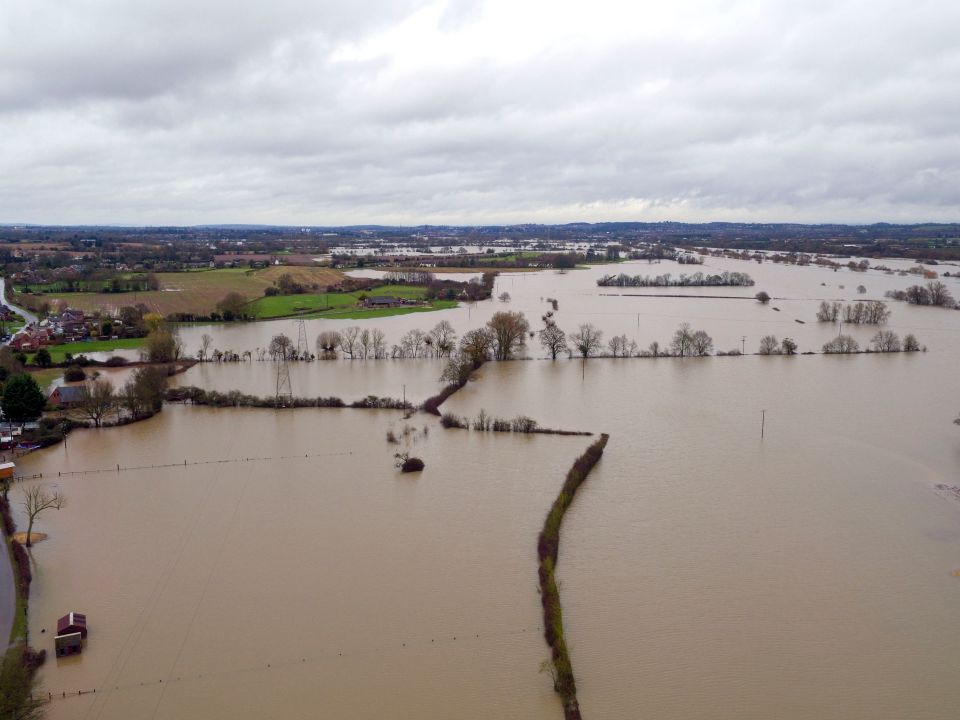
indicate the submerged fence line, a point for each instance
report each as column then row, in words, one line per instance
column 299, row 660
column 185, row 463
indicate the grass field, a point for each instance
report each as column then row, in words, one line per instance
column 196, row 292
column 58, row 352
column 358, row 313
column 338, row 304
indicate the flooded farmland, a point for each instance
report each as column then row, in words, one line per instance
column 706, row 572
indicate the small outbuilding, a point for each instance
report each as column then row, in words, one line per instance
column 71, row 644
column 72, row 623
column 8, row 468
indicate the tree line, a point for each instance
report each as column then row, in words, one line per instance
column 699, row 279
column 933, row 293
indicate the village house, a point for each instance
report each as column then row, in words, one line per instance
column 66, row 396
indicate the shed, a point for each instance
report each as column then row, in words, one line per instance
column 72, row 623
column 71, row 644
column 7, row 469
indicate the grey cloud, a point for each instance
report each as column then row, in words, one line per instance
column 822, row 111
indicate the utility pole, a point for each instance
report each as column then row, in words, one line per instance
column 404, row 395
column 743, row 345
column 763, row 422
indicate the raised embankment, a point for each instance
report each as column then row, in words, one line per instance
column 548, row 547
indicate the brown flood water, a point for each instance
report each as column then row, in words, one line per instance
column 239, row 585
column 709, row 574
column 705, row 573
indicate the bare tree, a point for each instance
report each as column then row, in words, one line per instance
column 788, row 346
column 349, row 341
column 763, row 297
column 842, row 344
column 701, row 343
column 327, row 343
column 619, row 345
column 444, row 338
column 413, row 343
column 910, row 343
column 38, row 498
column 587, row 340
column 886, row 341
column 281, row 346
column 366, row 344
column 682, row 338
column 654, row 349
column 939, row 293
column 769, row 345
column 205, row 342
column 509, row 333
column 828, row 312
column 553, row 339
column 504, row 297
column 96, row 400
column 378, row 344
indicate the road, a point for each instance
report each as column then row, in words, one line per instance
column 8, row 598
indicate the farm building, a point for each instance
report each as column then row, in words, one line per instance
column 70, row 644
column 383, row 301
column 66, row 396
column 72, row 623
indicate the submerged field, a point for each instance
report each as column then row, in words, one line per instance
column 705, row 572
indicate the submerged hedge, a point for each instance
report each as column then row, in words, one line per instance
column 548, row 546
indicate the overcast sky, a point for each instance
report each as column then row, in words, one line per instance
column 408, row 112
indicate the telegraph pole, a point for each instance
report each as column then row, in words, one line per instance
column 763, row 422
column 743, row 345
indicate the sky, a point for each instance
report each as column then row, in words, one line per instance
column 460, row 112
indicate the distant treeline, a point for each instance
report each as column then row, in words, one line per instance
column 698, row 279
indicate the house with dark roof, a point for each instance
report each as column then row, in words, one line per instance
column 66, row 396
column 383, row 301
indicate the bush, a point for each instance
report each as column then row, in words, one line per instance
column 449, row 420
column 116, row 361
column 74, row 373
column 413, row 464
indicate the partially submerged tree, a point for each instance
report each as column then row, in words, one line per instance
column 842, row 344
column 205, row 342
column 587, row 340
column 763, row 297
column 769, row 345
column 36, row 499
column 327, row 343
column 281, row 347
column 509, row 331
column 96, row 400
column 788, row 346
column 885, row 341
column 553, row 339
column 476, row 345
column 444, row 338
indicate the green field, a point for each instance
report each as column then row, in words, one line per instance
column 342, row 305
column 359, row 313
column 196, row 292
column 58, row 352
